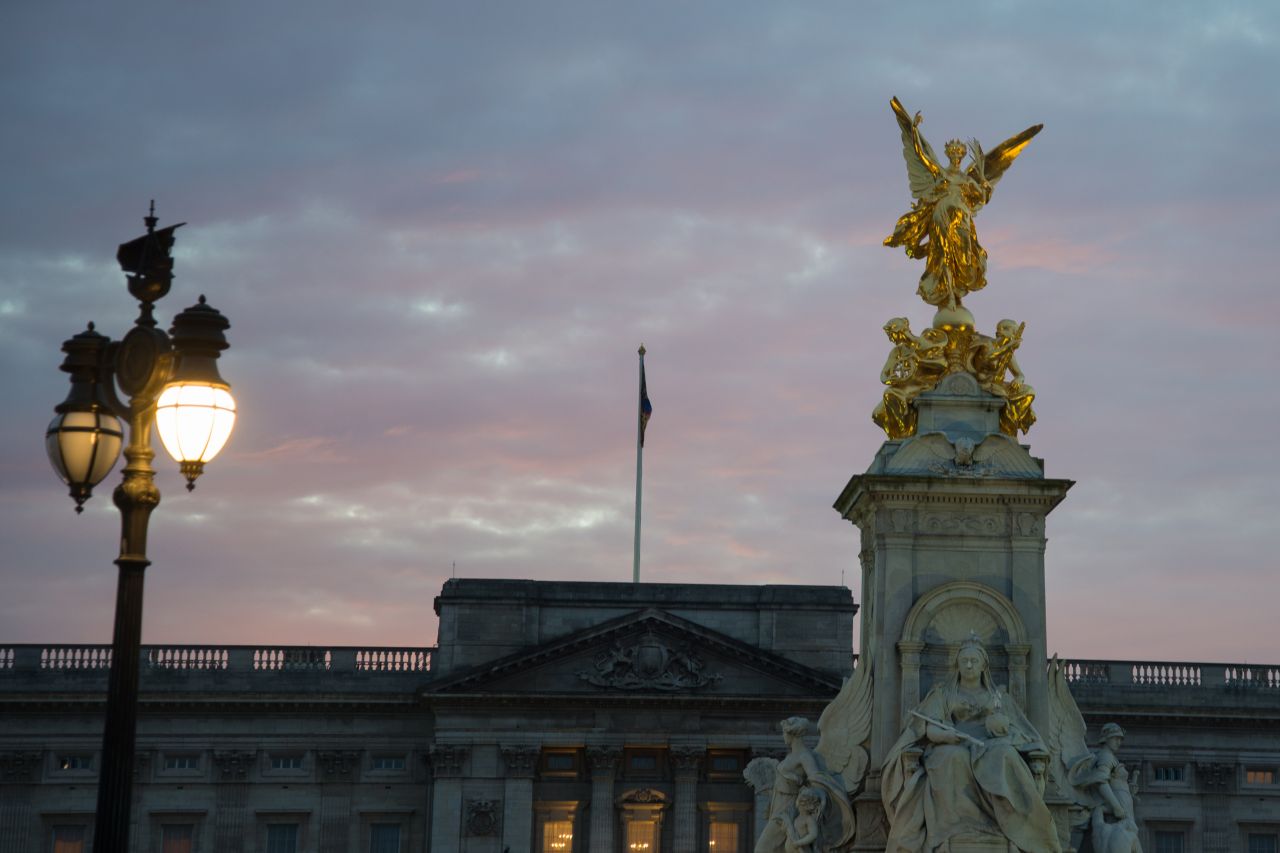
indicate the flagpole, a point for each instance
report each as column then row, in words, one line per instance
column 635, row 565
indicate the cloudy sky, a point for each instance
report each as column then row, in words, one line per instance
column 441, row 231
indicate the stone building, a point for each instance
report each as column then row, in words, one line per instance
column 552, row 717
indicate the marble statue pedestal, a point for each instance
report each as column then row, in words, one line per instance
column 952, row 524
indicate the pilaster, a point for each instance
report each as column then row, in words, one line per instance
column 687, row 761
column 337, row 768
column 603, row 761
column 232, row 768
column 446, row 803
column 517, row 809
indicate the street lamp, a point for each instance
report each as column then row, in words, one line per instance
column 170, row 380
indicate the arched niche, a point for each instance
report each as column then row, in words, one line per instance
column 942, row 619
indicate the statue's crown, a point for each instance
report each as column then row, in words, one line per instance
column 955, row 147
column 973, row 641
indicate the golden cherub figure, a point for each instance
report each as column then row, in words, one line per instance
column 939, row 227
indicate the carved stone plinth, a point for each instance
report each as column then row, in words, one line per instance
column 952, row 542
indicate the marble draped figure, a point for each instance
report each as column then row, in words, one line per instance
column 809, row 809
column 962, row 768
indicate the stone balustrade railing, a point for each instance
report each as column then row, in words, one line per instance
column 29, row 659
column 1172, row 674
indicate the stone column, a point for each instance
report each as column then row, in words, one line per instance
column 687, row 760
column 446, row 802
column 231, row 768
column 909, row 652
column 604, row 765
column 18, row 770
column 337, row 771
column 517, row 809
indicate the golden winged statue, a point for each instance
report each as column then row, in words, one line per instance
column 939, row 227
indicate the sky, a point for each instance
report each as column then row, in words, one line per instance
column 440, row 232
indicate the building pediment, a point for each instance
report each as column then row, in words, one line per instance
column 647, row 652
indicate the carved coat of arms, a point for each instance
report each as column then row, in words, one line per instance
column 648, row 664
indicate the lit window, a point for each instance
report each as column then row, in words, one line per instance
column 384, row 838
column 282, row 838
column 68, row 839
column 388, row 762
column 78, row 761
column 177, row 838
column 724, row 837
column 1168, row 842
column 642, row 836
column 181, row 762
column 286, row 762
column 557, row 836
column 1263, row 842
column 1260, row 775
column 1169, row 772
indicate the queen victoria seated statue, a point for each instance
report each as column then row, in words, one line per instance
column 967, row 772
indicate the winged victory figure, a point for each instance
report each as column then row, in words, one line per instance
column 939, row 227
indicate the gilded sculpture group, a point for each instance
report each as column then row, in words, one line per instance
column 939, row 228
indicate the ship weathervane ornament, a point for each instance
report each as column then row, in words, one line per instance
column 939, row 228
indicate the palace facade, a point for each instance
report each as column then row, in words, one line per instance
column 557, row 718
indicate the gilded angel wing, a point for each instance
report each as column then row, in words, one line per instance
column 845, row 725
column 1000, row 158
column 1066, row 735
column 922, row 163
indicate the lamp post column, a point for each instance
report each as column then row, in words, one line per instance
column 135, row 497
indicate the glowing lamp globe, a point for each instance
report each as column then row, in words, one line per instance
column 194, row 422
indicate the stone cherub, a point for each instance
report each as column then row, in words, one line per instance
column 804, row 830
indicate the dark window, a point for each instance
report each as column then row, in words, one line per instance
column 388, row 762
column 181, row 762
column 384, row 838
column 643, row 763
column 560, row 763
column 1168, row 841
column 282, row 838
column 177, row 838
column 1169, row 772
column 1262, row 842
column 75, row 761
column 286, row 762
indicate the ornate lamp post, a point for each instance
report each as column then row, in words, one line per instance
column 170, row 380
